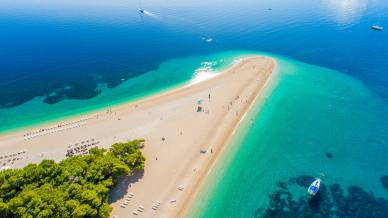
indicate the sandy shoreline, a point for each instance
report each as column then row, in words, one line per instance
column 174, row 132
column 199, row 183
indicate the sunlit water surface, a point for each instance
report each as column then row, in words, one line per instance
column 327, row 114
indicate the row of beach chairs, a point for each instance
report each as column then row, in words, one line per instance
column 56, row 128
column 81, row 147
column 9, row 159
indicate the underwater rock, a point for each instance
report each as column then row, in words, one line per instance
column 384, row 181
column 330, row 201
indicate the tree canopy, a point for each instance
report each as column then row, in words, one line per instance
column 75, row 187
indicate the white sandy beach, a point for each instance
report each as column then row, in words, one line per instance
column 174, row 131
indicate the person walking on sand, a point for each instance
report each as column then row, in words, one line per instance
column 209, row 96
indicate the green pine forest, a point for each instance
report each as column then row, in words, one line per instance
column 75, row 187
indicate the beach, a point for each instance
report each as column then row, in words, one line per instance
column 81, row 74
column 184, row 131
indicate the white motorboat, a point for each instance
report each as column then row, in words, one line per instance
column 314, row 187
column 377, row 27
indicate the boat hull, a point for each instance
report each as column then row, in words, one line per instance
column 314, row 187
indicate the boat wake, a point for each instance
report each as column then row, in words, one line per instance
column 170, row 18
column 149, row 13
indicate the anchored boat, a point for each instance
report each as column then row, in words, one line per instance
column 314, row 187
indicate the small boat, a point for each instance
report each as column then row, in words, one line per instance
column 377, row 27
column 314, row 187
column 209, row 40
column 141, row 10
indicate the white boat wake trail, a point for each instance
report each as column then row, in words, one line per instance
column 170, row 18
column 149, row 13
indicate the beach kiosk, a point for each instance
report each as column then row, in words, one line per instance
column 199, row 105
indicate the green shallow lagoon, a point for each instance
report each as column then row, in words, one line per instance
column 316, row 122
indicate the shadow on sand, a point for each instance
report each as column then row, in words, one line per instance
column 120, row 190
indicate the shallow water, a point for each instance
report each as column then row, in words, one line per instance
column 61, row 58
column 65, row 52
column 316, row 123
column 170, row 74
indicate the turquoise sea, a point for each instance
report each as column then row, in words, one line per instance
column 170, row 74
column 316, row 122
column 326, row 116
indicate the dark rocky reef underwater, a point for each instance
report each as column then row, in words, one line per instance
column 331, row 201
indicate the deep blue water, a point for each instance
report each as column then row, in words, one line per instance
column 60, row 50
column 63, row 49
